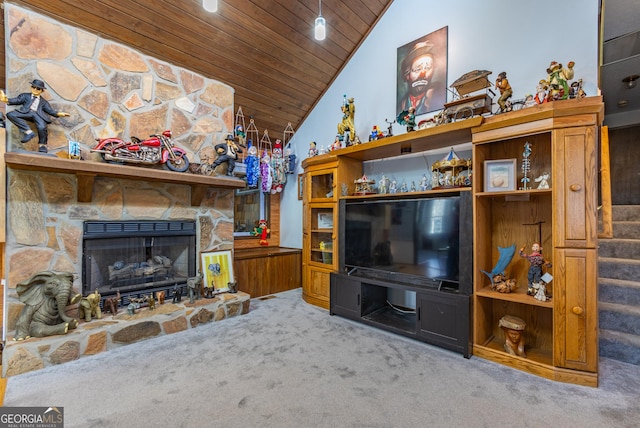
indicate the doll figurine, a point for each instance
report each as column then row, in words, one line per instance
column 278, row 175
column 262, row 231
column 536, row 261
column 253, row 166
column 33, row 108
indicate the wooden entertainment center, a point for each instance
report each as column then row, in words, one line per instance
column 560, row 334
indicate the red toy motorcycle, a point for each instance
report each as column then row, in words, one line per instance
column 155, row 149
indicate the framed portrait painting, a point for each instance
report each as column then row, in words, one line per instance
column 422, row 73
column 217, row 269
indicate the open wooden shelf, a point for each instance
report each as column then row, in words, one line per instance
column 87, row 171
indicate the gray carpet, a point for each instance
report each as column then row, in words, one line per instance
column 290, row 364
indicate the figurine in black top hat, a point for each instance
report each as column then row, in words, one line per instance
column 33, row 108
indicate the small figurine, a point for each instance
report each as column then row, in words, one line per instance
column 541, row 93
column 557, row 77
column 177, row 294
column 160, row 295
column 413, row 186
column 90, row 306
column 337, row 144
column 240, row 134
column 262, row 231
column 403, row 187
column 313, row 151
column 32, row 109
column 193, row 284
column 424, row 182
column 513, row 328
column 390, row 127
column 151, row 302
column 529, row 101
column 393, row 187
column 111, row 303
column 383, row 187
column 543, row 181
column 347, row 124
column 502, row 84
column 227, row 152
column 408, row 118
column 536, row 261
column 540, row 291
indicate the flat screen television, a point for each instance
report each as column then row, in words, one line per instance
column 408, row 240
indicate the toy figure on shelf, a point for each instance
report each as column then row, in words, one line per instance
column 376, row 134
column 240, row 134
column 502, row 84
column 536, row 261
column 253, row 166
column 513, row 328
column 90, row 307
column 557, row 78
column 408, row 118
column 383, row 187
column 313, row 150
column 279, row 178
column 33, row 108
column 347, row 125
column 262, row 231
column 393, row 187
column 543, row 181
column 227, row 152
column 424, row 183
column 390, row 126
column 541, row 93
column 337, row 143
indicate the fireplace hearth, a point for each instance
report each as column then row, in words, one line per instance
column 137, row 258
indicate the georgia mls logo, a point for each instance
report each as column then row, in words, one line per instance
column 32, row 417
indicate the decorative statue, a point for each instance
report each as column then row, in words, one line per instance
column 227, row 152
column 502, row 84
column 233, row 287
column 347, row 124
column 177, row 294
column 557, row 80
column 313, row 150
column 408, row 118
column 537, row 261
column 32, row 109
column 513, row 328
column 214, row 270
column 262, row 231
column 90, row 306
column 193, row 284
column 160, row 295
column 290, row 163
column 111, row 303
column 151, row 301
column 46, row 296
column 543, row 181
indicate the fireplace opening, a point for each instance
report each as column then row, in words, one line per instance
column 137, row 258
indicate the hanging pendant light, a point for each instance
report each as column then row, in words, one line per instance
column 210, row 5
column 320, row 30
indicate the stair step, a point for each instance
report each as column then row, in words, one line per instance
column 619, row 248
column 626, row 229
column 625, row 212
column 618, row 291
column 617, row 268
column 619, row 346
column 619, row 317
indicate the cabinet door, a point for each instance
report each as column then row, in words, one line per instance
column 443, row 319
column 322, row 235
column 316, row 287
column 575, row 309
column 321, row 185
column 345, row 297
column 575, row 189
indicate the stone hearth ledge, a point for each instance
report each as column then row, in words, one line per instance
column 111, row 331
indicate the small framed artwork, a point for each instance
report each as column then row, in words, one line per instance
column 300, row 186
column 325, row 220
column 500, row 175
column 217, row 270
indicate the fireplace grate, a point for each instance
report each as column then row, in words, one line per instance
column 99, row 229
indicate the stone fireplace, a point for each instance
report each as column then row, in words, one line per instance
column 56, row 223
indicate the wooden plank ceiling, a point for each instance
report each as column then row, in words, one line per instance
column 264, row 49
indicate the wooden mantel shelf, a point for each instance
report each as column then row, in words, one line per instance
column 87, row 171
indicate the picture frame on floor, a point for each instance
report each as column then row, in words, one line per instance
column 217, row 270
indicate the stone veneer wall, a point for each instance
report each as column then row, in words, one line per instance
column 109, row 90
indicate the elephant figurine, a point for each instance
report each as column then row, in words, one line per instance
column 46, row 295
column 90, row 306
column 194, row 284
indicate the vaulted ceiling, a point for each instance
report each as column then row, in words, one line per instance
column 264, row 49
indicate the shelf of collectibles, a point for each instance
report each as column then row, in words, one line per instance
column 535, row 187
